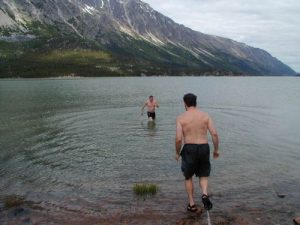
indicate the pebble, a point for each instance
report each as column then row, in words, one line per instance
column 18, row 211
column 279, row 195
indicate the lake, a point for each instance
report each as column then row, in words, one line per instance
column 72, row 149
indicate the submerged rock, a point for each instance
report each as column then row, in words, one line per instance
column 11, row 201
column 280, row 195
column 18, row 211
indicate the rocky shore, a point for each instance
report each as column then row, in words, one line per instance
column 17, row 210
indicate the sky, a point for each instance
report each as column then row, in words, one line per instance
column 272, row 25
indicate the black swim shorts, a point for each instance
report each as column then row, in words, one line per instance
column 151, row 114
column 195, row 160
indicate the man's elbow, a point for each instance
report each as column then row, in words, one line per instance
column 178, row 141
column 215, row 134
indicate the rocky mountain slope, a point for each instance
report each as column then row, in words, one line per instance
column 115, row 37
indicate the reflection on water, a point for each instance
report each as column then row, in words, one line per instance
column 151, row 125
column 151, row 128
column 76, row 147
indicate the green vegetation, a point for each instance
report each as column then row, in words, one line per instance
column 43, row 30
column 60, row 56
column 5, row 31
column 145, row 189
column 74, row 56
column 54, row 52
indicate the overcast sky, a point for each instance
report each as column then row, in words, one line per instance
column 272, row 25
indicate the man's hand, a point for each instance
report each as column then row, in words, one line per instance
column 177, row 157
column 216, row 154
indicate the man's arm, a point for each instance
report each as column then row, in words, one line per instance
column 214, row 135
column 156, row 104
column 142, row 110
column 178, row 138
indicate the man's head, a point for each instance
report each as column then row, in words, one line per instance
column 190, row 100
column 151, row 97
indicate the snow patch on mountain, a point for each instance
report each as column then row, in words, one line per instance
column 11, row 5
column 127, row 31
column 90, row 9
column 204, row 52
column 154, row 39
column 60, row 14
column 5, row 20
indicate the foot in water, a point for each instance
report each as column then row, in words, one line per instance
column 206, row 202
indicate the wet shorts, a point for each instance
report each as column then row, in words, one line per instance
column 151, row 114
column 195, row 160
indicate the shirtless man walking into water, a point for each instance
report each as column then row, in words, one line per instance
column 151, row 104
column 191, row 131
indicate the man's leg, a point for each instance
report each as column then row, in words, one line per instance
column 203, row 181
column 190, row 190
column 153, row 116
column 205, row 198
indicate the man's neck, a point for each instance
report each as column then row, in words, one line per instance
column 190, row 108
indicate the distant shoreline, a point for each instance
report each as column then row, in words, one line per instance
column 150, row 76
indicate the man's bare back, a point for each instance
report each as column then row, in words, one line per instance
column 194, row 125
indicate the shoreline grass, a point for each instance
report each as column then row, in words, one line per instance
column 143, row 189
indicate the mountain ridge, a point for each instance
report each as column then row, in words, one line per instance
column 139, row 40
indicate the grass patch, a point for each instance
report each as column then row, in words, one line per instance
column 75, row 56
column 145, row 189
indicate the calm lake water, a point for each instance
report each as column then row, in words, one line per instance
column 74, row 148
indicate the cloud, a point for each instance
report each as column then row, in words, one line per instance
column 272, row 25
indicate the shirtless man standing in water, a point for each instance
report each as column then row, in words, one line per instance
column 151, row 104
column 191, row 130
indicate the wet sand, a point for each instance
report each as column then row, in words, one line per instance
column 254, row 216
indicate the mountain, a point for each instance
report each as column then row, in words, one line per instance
column 115, row 37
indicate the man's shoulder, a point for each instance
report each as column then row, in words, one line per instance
column 202, row 112
column 181, row 116
column 204, row 115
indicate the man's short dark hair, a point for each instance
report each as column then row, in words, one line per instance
column 151, row 96
column 190, row 99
